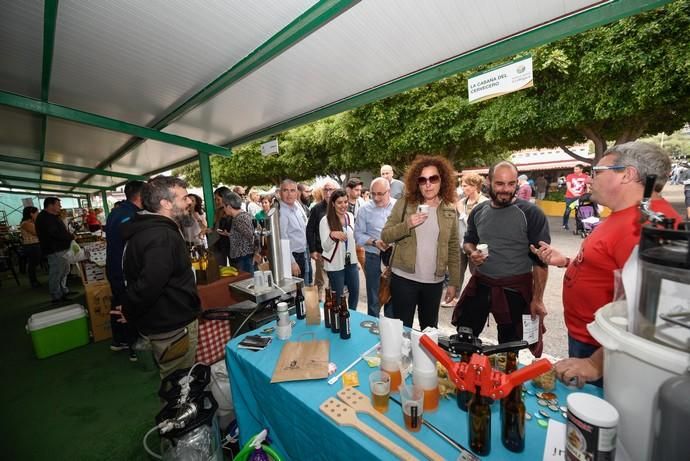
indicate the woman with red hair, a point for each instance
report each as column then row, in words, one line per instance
column 423, row 226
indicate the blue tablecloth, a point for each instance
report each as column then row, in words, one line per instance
column 299, row 431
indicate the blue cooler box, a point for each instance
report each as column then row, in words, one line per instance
column 58, row 330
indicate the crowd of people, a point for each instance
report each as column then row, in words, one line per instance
column 426, row 229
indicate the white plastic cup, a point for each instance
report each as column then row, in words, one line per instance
column 391, row 362
column 423, row 209
column 483, row 249
column 259, row 281
column 424, row 379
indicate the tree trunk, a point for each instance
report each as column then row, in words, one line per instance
column 557, row 142
column 599, row 141
column 631, row 133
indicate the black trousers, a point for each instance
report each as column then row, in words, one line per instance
column 475, row 312
column 123, row 333
column 407, row 295
column 33, row 258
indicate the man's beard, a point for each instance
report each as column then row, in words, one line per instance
column 501, row 202
column 178, row 214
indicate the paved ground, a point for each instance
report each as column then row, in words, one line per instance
column 555, row 340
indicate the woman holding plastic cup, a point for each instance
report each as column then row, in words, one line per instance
column 337, row 232
column 471, row 186
column 423, row 226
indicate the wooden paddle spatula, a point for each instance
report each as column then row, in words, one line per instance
column 342, row 414
column 362, row 404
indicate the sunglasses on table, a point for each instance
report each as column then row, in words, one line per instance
column 433, row 179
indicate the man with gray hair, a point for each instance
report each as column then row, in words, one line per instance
column 397, row 187
column 293, row 227
column 161, row 300
column 368, row 225
column 618, row 183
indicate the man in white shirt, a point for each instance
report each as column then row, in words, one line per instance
column 372, row 218
column 293, row 227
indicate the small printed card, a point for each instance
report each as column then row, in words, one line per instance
column 554, row 447
column 530, row 329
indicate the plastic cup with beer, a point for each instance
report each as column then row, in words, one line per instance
column 428, row 381
column 391, row 365
column 380, row 386
column 412, row 399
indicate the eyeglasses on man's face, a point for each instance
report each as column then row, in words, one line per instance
column 378, row 194
column 433, row 179
column 598, row 168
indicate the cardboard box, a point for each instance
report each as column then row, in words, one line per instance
column 91, row 272
column 98, row 299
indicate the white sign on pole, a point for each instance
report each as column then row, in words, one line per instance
column 269, row 148
column 499, row 81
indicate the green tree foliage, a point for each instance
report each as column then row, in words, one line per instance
column 611, row 84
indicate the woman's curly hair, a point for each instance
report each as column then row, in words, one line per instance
column 445, row 170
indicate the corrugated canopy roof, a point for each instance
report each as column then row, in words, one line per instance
column 95, row 93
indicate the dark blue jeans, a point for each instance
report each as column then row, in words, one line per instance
column 578, row 349
column 346, row 277
column 372, row 275
column 304, row 262
column 566, row 214
column 243, row 263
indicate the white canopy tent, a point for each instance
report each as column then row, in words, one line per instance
column 95, row 93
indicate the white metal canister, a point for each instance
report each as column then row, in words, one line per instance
column 591, row 431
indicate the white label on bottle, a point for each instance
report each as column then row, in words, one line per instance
column 530, row 329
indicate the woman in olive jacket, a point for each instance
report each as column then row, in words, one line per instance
column 424, row 227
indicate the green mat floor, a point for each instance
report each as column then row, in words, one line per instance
column 85, row 404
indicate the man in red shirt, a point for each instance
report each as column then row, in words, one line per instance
column 576, row 185
column 588, row 283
